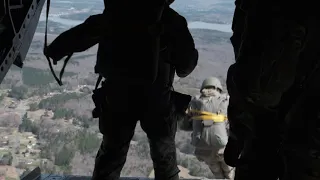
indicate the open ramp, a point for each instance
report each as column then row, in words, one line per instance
column 36, row 175
column 57, row 177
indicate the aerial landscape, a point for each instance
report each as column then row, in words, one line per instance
column 49, row 126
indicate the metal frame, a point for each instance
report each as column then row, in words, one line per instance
column 33, row 175
column 36, row 175
column 18, row 6
column 22, row 39
column 61, row 177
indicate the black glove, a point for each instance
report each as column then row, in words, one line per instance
column 180, row 102
column 76, row 39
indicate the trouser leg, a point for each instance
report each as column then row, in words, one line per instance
column 161, row 130
column 259, row 160
column 111, row 157
column 228, row 171
column 212, row 160
column 302, row 165
column 216, row 170
column 302, row 143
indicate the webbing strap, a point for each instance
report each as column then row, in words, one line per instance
column 204, row 115
column 98, row 82
column 45, row 51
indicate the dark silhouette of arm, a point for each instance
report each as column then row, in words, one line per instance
column 183, row 54
column 271, row 44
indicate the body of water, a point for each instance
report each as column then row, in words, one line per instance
column 210, row 26
column 191, row 25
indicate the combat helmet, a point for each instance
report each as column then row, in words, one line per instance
column 211, row 82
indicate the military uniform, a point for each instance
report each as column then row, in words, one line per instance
column 209, row 125
column 272, row 88
column 126, row 103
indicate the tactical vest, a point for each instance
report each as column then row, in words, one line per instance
column 130, row 52
column 209, row 123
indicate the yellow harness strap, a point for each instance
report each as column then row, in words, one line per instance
column 204, row 115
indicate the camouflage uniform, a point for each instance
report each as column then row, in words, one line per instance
column 126, row 103
column 273, row 122
column 210, row 135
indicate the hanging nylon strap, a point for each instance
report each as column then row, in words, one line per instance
column 45, row 51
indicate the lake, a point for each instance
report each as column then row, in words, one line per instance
column 191, row 25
